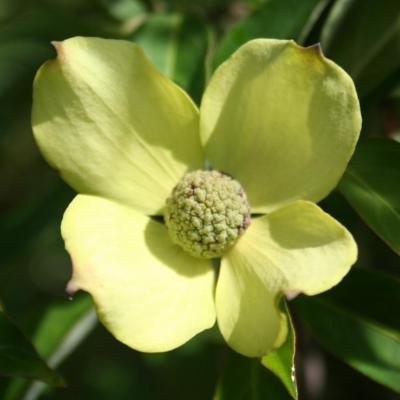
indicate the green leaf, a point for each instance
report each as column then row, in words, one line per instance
column 245, row 378
column 8, row 9
column 124, row 9
column 281, row 361
column 278, row 19
column 60, row 331
column 367, row 293
column 46, row 23
column 20, row 227
column 177, row 46
column 363, row 39
column 25, row 43
column 19, row 58
column 371, row 186
column 19, row 358
column 358, row 322
column 61, row 320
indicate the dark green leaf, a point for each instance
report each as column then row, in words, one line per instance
column 279, row 19
column 59, row 321
column 364, row 39
column 245, row 378
column 45, row 24
column 19, row 58
column 19, row 358
column 358, row 322
column 8, row 8
column 367, row 293
column 20, row 228
column 371, row 186
column 177, row 46
column 60, row 331
column 25, row 43
column 281, row 361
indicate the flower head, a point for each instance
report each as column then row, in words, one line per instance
column 278, row 124
column 206, row 213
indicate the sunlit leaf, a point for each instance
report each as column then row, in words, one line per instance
column 354, row 322
column 281, row 361
column 60, row 321
column 124, row 9
column 364, row 39
column 371, row 185
column 245, row 378
column 278, row 19
column 18, row 358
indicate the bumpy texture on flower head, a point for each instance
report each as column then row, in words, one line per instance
column 206, row 213
column 123, row 136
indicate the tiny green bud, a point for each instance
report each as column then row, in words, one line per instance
column 206, row 213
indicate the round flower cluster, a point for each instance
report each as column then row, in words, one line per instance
column 206, row 213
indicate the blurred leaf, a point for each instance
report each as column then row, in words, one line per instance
column 188, row 5
column 66, row 5
column 364, row 38
column 43, row 24
column 358, row 322
column 367, row 293
column 27, row 204
column 25, row 43
column 19, row 358
column 18, row 58
column 371, row 186
column 281, row 361
column 60, row 331
column 20, row 227
column 396, row 136
column 8, row 8
column 47, row 22
column 177, row 46
column 278, row 19
column 396, row 91
column 245, row 378
column 124, row 9
column 59, row 321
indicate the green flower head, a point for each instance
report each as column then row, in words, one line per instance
column 278, row 124
column 206, row 213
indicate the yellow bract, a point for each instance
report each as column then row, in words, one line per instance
column 311, row 250
column 112, row 124
column 282, row 119
column 149, row 293
column 297, row 248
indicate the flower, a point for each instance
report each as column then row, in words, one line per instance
column 281, row 119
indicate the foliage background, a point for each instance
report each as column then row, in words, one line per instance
column 348, row 340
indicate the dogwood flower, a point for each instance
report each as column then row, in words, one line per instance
column 278, row 124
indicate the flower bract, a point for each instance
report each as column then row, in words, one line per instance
column 278, row 119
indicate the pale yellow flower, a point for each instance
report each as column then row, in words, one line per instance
column 280, row 119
